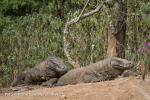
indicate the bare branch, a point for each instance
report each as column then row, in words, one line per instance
column 83, row 9
column 75, row 20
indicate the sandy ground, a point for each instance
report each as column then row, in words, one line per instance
column 119, row 89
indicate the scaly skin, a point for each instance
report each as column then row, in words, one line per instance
column 106, row 69
column 52, row 67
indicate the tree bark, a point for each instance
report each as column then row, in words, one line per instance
column 117, row 31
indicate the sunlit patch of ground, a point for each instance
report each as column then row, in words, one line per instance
column 119, row 89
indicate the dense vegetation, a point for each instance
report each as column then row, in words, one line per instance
column 31, row 30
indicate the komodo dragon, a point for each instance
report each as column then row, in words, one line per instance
column 49, row 70
column 106, row 69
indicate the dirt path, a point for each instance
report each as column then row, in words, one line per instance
column 119, row 89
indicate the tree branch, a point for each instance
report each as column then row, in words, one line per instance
column 83, row 9
column 75, row 20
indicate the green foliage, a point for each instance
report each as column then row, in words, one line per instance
column 28, row 41
column 19, row 7
column 146, row 8
column 111, row 3
column 145, row 14
column 87, row 40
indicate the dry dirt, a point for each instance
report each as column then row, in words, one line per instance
column 119, row 89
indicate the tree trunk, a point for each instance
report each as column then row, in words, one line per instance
column 117, row 32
